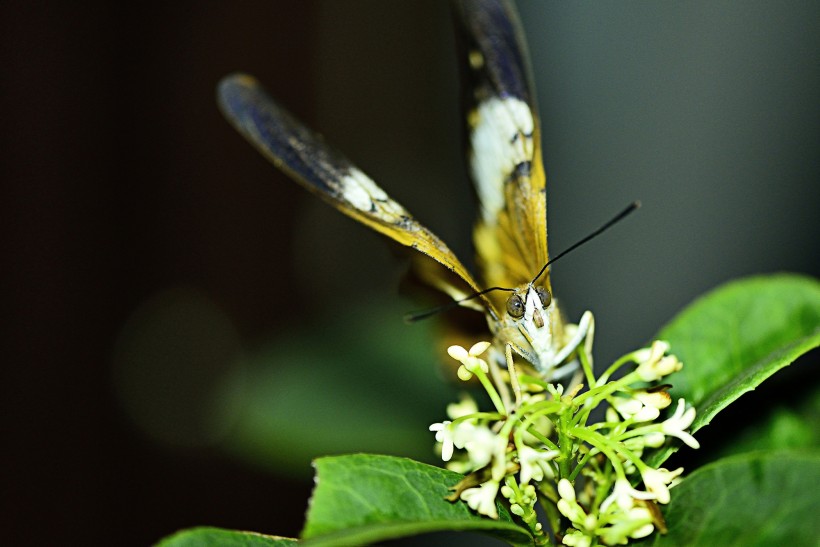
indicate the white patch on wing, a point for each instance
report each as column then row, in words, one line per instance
column 366, row 196
column 501, row 139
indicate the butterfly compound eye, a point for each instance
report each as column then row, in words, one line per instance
column 544, row 295
column 515, row 306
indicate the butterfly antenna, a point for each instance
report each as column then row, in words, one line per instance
column 418, row 316
column 617, row 218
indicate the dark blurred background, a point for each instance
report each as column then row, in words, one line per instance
column 155, row 263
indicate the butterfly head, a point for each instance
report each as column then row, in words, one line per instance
column 529, row 305
column 529, row 324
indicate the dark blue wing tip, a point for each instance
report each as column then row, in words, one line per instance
column 230, row 83
column 231, row 92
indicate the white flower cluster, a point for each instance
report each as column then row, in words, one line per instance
column 542, row 448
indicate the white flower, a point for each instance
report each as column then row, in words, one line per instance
column 652, row 354
column 480, row 443
column 656, row 371
column 646, row 414
column 634, row 523
column 642, row 405
column 535, row 463
column 482, row 498
column 460, row 466
column 591, row 522
column 568, row 506
column 634, row 408
column 566, row 490
column 469, row 359
column 679, row 421
column 457, row 352
column 459, row 435
column 653, row 439
column 571, row 510
column 464, row 407
column 612, row 415
column 528, row 494
column 656, row 399
column 636, row 445
column 624, row 496
column 653, row 365
column 556, row 390
column 444, row 435
column 463, row 432
column 576, row 538
column 644, row 530
column 626, row 407
column 656, row 481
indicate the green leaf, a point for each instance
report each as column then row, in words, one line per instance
column 791, row 425
column 217, row 537
column 764, row 498
column 363, row 498
column 735, row 337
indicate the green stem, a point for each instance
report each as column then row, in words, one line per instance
column 491, row 391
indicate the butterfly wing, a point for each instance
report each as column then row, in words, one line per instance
column 504, row 144
column 303, row 155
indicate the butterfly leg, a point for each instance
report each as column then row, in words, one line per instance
column 494, row 363
column 516, row 385
column 585, row 333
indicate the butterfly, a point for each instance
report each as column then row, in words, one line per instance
column 504, row 149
